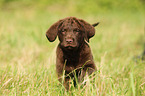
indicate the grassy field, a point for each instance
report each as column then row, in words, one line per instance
column 27, row 59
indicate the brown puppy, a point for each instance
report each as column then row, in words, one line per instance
column 74, row 57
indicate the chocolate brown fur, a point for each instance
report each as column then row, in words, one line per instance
column 73, row 53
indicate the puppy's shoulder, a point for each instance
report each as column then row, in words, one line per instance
column 59, row 51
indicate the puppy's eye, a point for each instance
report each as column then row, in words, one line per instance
column 63, row 31
column 76, row 30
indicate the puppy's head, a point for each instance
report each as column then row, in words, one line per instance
column 71, row 32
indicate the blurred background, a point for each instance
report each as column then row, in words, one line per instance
column 73, row 7
column 25, row 51
column 24, row 23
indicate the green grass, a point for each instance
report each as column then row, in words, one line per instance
column 27, row 59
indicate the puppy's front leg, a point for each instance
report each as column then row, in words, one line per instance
column 66, row 83
column 84, row 72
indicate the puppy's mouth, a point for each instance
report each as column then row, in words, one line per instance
column 70, row 46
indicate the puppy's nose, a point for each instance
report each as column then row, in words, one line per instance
column 69, row 40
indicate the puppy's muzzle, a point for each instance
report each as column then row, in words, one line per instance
column 69, row 40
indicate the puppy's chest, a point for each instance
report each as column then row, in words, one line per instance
column 73, row 65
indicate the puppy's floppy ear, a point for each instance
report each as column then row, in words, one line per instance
column 51, row 33
column 89, row 29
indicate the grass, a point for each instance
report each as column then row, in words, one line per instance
column 27, row 59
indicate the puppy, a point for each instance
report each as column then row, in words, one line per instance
column 73, row 55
